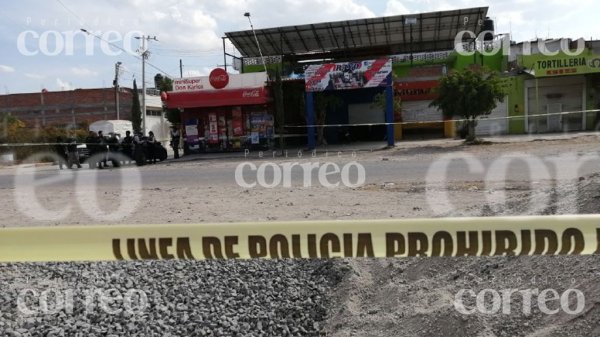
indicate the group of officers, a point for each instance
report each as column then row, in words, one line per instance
column 102, row 149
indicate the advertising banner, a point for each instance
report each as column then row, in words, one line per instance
column 217, row 98
column 562, row 64
column 347, row 75
column 213, row 131
column 221, row 79
column 222, row 122
column 237, row 123
column 191, row 131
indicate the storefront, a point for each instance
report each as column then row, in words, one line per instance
column 355, row 85
column 548, row 98
column 556, row 92
column 222, row 111
column 418, row 115
column 420, row 48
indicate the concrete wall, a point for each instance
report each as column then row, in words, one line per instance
column 62, row 108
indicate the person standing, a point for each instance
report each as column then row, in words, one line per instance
column 102, row 149
column 72, row 153
column 127, row 145
column 151, row 143
column 175, row 138
column 60, row 150
column 139, row 154
column 92, row 143
column 113, row 148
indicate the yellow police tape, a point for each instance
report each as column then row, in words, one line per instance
column 488, row 236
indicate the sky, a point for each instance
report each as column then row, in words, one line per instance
column 44, row 48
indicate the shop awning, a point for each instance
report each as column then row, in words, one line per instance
column 216, row 98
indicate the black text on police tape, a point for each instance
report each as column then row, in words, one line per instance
column 442, row 243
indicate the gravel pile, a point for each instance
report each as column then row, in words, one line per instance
column 174, row 298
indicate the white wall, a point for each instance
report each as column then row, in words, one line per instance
column 157, row 124
column 487, row 127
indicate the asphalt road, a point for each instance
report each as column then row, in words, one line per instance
column 412, row 169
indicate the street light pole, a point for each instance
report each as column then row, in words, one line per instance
column 116, row 84
column 247, row 14
column 145, row 54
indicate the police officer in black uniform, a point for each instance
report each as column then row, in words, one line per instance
column 175, row 138
column 61, row 151
column 127, row 145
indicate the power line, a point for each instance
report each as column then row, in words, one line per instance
column 81, row 20
column 167, row 52
column 119, row 47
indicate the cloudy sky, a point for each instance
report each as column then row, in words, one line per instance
column 43, row 47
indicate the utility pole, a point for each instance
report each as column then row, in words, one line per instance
column 116, row 84
column 145, row 55
column 180, row 68
column 247, row 14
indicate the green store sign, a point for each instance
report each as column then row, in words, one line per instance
column 562, row 64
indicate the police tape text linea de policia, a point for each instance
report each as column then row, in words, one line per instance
column 444, row 237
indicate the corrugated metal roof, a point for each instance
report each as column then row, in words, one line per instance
column 401, row 33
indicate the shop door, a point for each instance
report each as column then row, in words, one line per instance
column 555, row 95
column 420, row 121
column 366, row 113
column 420, row 111
column 554, row 119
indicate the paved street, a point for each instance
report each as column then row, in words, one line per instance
column 403, row 164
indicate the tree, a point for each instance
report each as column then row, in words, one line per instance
column 164, row 83
column 158, row 79
column 136, row 111
column 12, row 130
column 469, row 94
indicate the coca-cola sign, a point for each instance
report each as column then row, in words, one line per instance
column 218, row 78
column 251, row 93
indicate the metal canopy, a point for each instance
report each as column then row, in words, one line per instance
column 392, row 34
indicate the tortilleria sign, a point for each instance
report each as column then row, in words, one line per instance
column 563, row 64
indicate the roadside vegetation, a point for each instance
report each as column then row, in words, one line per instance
column 469, row 94
column 14, row 133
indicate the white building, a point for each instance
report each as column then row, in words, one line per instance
column 155, row 117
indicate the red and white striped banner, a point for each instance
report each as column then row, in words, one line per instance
column 347, row 75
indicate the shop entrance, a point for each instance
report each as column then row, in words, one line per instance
column 228, row 128
column 350, row 80
column 549, row 98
